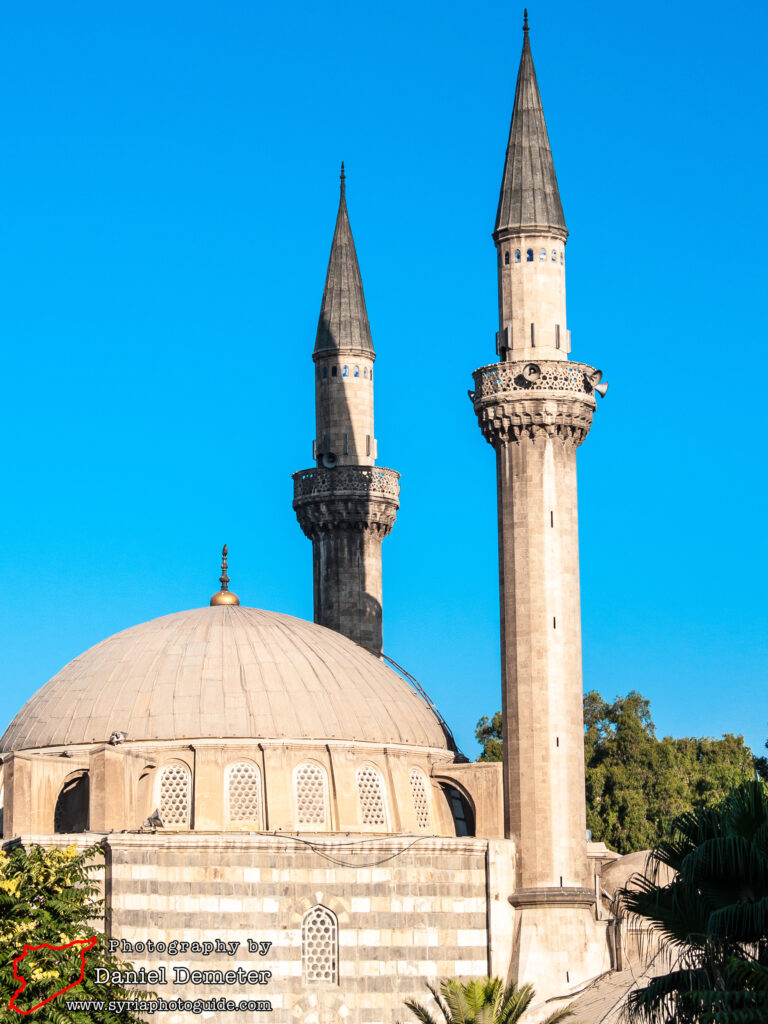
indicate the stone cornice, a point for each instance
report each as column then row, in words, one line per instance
column 339, row 353
column 529, row 231
column 568, row 896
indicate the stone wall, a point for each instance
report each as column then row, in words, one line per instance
column 408, row 910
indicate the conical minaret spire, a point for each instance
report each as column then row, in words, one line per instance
column 346, row 505
column 530, row 198
column 343, row 320
column 530, row 233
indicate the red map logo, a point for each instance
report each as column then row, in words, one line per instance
column 86, row 945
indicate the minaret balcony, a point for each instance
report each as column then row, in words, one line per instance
column 528, row 398
column 346, row 482
column 346, row 498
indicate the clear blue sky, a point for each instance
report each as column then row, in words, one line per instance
column 168, row 187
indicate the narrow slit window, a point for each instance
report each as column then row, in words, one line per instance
column 345, row 372
column 554, row 622
column 552, row 519
column 367, row 444
column 325, row 372
column 517, row 255
column 554, row 255
column 529, row 255
column 533, row 336
column 542, row 255
column 346, row 444
column 506, row 259
column 334, row 371
column 356, row 372
column 557, row 335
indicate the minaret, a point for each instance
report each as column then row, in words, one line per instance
column 346, row 506
column 535, row 407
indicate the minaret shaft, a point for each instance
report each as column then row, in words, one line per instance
column 541, row 660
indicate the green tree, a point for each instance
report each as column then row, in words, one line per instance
column 488, row 733
column 51, row 896
column 704, row 898
column 636, row 783
column 761, row 765
column 481, row 1001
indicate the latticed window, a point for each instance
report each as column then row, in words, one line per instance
column 311, row 788
column 420, row 797
column 320, row 947
column 370, row 790
column 174, row 791
column 242, row 792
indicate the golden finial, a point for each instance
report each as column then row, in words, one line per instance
column 225, row 595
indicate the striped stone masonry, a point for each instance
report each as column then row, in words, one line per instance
column 408, row 910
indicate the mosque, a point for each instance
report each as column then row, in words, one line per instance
column 273, row 794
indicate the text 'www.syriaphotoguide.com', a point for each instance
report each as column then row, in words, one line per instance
column 163, row 1005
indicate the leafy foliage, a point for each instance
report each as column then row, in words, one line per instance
column 481, row 1001
column 635, row 783
column 711, row 919
column 51, row 896
column 488, row 733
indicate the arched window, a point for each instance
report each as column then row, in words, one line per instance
column 242, row 793
column 562, row 257
column 174, row 792
column 325, row 372
column 365, row 371
column 517, row 255
column 554, row 255
column 334, row 371
column 356, row 372
column 529, row 255
column 461, row 810
column 420, row 797
column 310, row 784
column 542, row 255
column 370, row 792
column 71, row 813
column 345, row 372
column 506, row 258
column 320, row 947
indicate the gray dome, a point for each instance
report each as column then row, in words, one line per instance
column 225, row 672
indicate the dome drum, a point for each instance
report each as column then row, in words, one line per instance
column 226, row 787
